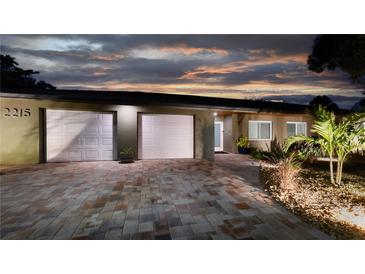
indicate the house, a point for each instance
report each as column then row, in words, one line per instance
column 71, row 125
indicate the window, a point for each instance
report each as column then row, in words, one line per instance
column 259, row 130
column 296, row 128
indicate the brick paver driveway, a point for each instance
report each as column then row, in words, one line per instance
column 156, row 199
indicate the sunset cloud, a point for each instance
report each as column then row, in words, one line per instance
column 234, row 66
column 186, row 50
column 245, row 65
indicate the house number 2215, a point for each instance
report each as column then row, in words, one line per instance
column 16, row 112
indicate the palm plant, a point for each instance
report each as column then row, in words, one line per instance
column 350, row 138
column 335, row 139
column 323, row 127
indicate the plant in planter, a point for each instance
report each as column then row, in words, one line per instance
column 243, row 145
column 126, row 155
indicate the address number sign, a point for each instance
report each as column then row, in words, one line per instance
column 17, row 112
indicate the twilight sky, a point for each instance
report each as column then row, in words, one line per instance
column 235, row 66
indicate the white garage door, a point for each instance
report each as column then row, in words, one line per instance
column 79, row 136
column 166, row 136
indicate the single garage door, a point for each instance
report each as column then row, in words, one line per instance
column 166, row 136
column 79, row 136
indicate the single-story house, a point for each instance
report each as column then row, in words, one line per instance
column 74, row 125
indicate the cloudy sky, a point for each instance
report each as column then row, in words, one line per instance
column 234, row 66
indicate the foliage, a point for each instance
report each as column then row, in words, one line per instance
column 14, row 77
column 290, row 159
column 305, row 151
column 359, row 106
column 324, row 128
column 259, row 154
column 286, row 164
column 286, row 172
column 350, row 138
column 242, row 142
column 346, row 52
column 278, row 152
column 319, row 202
column 126, row 151
column 324, row 101
column 334, row 138
column 337, row 207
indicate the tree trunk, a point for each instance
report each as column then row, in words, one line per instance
column 331, row 169
column 338, row 177
column 339, row 180
column 341, row 167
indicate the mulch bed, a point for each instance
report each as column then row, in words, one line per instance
column 336, row 210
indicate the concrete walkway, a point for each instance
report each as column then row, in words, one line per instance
column 155, row 199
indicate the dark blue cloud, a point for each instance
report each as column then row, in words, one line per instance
column 165, row 60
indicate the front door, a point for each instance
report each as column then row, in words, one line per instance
column 218, row 136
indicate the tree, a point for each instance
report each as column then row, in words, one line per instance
column 350, row 138
column 325, row 101
column 335, row 139
column 359, row 106
column 14, row 77
column 346, row 52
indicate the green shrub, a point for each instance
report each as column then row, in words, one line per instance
column 279, row 155
column 126, row 151
column 259, row 154
column 242, row 142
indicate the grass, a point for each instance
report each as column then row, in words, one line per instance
column 339, row 211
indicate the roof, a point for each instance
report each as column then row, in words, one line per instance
column 147, row 98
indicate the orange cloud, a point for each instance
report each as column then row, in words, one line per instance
column 99, row 71
column 246, row 65
column 107, row 57
column 253, row 89
column 186, row 50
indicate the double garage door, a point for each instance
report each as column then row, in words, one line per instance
column 90, row 136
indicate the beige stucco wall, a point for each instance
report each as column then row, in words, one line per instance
column 21, row 137
column 279, row 129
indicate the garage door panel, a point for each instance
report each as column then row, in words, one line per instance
column 55, row 115
column 106, row 154
column 91, row 129
column 107, row 119
column 91, row 155
column 161, row 136
column 74, row 128
column 106, row 129
column 107, row 141
column 79, row 136
column 74, row 155
column 60, row 156
column 91, row 141
column 76, row 143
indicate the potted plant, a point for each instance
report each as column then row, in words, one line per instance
column 126, row 155
column 243, row 145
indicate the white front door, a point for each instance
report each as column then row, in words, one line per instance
column 164, row 136
column 218, row 136
column 79, row 136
